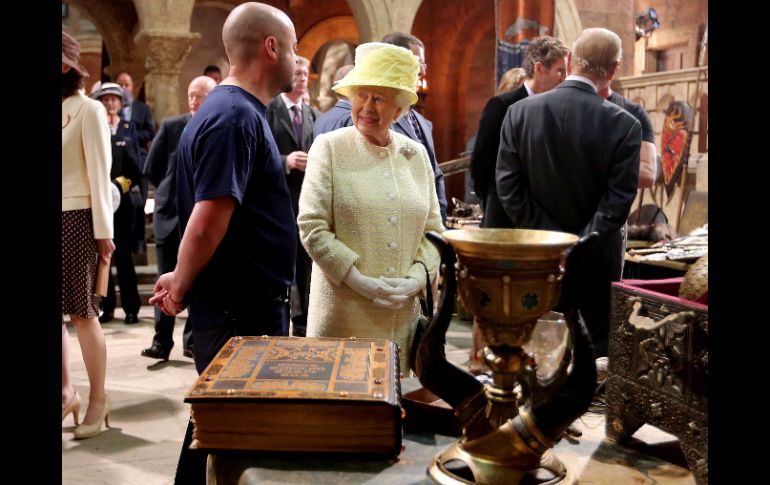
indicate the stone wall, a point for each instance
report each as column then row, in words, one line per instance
column 654, row 92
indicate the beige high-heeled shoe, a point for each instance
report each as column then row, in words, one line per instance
column 72, row 406
column 90, row 430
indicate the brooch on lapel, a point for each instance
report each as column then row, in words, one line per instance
column 125, row 125
column 408, row 151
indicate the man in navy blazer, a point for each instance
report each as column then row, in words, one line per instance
column 413, row 124
column 573, row 166
column 160, row 169
column 544, row 67
column 142, row 132
column 293, row 141
column 338, row 116
column 140, row 117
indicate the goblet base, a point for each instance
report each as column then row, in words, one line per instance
column 456, row 466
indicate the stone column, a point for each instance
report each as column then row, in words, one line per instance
column 165, row 53
column 375, row 18
column 91, row 57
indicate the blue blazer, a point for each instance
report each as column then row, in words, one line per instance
column 338, row 116
column 402, row 126
column 160, row 169
column 142, row 130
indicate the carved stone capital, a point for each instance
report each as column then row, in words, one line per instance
column 165, row 51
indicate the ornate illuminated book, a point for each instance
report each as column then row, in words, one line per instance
column 300, row 394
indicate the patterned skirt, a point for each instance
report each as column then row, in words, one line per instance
column 79, row 255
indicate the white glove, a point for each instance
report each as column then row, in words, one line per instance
column 115, row 197
column 370, row 288
column 401, row 290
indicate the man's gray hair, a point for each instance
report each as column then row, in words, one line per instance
column 595, row 52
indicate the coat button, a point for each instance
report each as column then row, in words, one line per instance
column 391, row 269
column 393, row 219
column 393, row 245
column 391, row 195
column 386, row 174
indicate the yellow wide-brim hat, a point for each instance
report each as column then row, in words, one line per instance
column 379, row 64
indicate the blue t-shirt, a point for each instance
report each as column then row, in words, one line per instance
column 227, row 149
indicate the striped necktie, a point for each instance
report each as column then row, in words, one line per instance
column 297, row 122
column 415, row 126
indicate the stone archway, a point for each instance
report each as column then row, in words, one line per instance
column 328, row 45
column 375, row 18
column 567, row 23
column 342, row 27
column 116, row 23
column 330, row 57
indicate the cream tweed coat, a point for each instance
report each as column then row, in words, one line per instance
column 367, row 206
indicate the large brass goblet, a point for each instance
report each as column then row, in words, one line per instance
column 509, row 278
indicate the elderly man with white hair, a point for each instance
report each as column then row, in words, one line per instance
column 569, row 161
column 160, row 169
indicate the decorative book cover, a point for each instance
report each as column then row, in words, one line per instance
column 300, row 394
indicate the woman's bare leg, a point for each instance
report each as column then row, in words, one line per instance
column 91, row 339
column 67, row 389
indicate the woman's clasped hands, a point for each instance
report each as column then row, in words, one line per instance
column 384, row 292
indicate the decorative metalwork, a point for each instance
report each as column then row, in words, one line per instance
column 658, row 371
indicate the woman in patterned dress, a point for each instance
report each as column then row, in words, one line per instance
column 86, row 235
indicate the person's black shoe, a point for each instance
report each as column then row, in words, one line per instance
column 106, row 317
column 156, row 352
column 187, row 352
column 131, row 318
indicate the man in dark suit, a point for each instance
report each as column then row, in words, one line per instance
column 291, row 122
column 160, row 169
column 545, row 68
column 338, row 116
column 124, row 174
column 142, row 132
column 413, row 124
column 140, row 117
column 573, row 166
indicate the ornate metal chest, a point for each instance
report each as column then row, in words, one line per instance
column 658, row 367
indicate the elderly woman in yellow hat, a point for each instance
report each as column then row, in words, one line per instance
column 367, row 200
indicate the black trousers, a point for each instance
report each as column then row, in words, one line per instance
column 300, row 292
column 212, row 326
column 124, row 263
column 166, row 250
column 594, row 292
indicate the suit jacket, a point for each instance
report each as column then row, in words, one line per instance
column 402, row 126
column 123, row 159
column 338, row 116
column 124, row 164
column 86, row 161
column 571, row 166
column 142, row 130
column 160, row 169
column 280, row 121
column 484, row 156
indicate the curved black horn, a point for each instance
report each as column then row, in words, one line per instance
column 436, row 373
